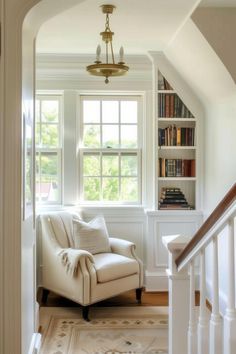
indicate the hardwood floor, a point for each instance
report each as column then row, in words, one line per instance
column 125, row 299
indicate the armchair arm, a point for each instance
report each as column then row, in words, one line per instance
column 122, row 247
column 71, row 258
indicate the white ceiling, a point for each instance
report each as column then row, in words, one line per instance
column 139, row 26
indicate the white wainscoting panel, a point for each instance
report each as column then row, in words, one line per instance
column 161, row 224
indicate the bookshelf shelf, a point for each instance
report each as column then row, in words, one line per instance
column 166, row 119
column 177, row 146
column 173, row 147
column 192, row 179
column 166, row 91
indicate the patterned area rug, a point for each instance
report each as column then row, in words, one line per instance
column 133, row 332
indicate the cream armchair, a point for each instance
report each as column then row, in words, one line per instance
column 97, row 277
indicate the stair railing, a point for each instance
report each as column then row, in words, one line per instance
column 193, row 330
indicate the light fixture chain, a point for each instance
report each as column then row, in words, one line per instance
column 107, row 25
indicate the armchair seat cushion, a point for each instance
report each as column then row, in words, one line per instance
column 111, row 266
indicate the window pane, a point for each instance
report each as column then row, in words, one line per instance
column 49, row 164
column 47, row 180
column 91, row 111
column 110, row 113
column 37, row 189
column 50, row 111
column 37, row 111
column 92, row 136
column 129, row 111
column 110, row 165
column 91, row 165
column 110, row 136
column 91, row 188
column 49, row 135
column 129, row 165
column 129, row 136
column 129, row 189
column 37, row 134
column 110, row 187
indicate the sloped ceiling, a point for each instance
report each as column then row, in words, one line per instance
column 199, row 64
column 139, row 26
column 220, row 33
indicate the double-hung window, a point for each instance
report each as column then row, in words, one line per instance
column 48, row 149
column 110, row 149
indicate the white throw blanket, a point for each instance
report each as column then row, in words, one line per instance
column 71, row 257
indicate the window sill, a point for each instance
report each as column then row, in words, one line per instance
column 88, row 209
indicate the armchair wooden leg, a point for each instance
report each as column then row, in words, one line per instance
column 85, row 312
column 45, row 296
column 139, row 295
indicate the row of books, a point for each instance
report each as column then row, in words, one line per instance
column 176, row 167
column 163, row 84
column 171, row 106
column 173, row 198
column 173, row 136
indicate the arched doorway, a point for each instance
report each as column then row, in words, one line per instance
column 20, row 21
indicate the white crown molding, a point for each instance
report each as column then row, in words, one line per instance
column 73, row 67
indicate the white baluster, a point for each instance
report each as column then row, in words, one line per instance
column 230, row 315
column 216, row 320
column 203, row 323
column 192, row 329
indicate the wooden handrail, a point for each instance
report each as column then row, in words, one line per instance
column 223, row 205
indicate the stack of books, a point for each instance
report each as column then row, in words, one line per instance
column 173, row 199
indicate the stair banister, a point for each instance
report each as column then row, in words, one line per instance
column 182, row 255
column 217, row 220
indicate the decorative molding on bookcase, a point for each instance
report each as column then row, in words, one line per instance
column 183, row 90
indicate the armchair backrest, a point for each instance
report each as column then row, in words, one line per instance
column 59, row 226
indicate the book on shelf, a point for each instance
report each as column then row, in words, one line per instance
column 175, row 207
column 163, row 84
column 171, row 106
column 176, row 167
column 173, row 199
column 173, row 136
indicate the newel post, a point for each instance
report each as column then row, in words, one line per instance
column 178, row 296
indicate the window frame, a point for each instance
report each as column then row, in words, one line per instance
column 81, row 150
column 45, row 96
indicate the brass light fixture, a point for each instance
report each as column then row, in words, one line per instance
column 108, row 69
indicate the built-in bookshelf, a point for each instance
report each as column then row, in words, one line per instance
column 176, row 150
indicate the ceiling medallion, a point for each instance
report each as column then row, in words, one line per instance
column 108, row 69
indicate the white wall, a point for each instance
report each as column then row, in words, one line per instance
column 220, row 151
column 220, row 175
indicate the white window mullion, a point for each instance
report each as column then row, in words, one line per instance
column 101, row 131
column 120, row 176
column 101, row 179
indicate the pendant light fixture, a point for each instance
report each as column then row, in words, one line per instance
column 108, row 69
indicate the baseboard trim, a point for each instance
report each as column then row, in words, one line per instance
column 156, row 282
column 35, row 344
